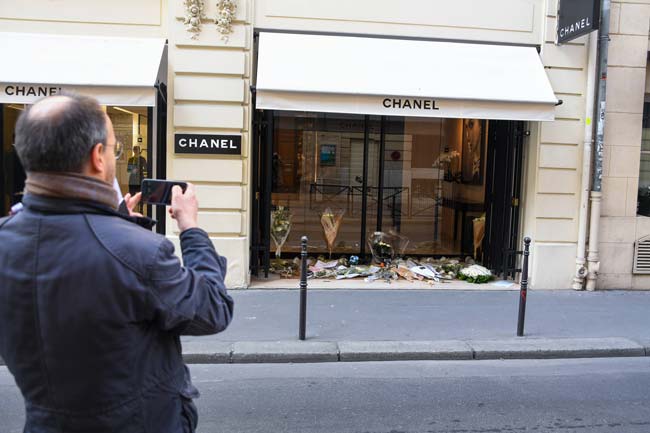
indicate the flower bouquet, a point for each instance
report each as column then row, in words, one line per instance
column 280, row 227
column 476, row 274
column 331, row 222
column 381, row 247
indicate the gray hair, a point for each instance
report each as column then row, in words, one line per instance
column 60, row 137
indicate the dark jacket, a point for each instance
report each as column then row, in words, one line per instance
column 91, row 309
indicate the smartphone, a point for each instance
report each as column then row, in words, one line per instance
column 159, row 192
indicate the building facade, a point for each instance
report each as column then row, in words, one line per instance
column 211, row 77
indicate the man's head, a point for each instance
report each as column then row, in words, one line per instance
column 136, row 150
column 68, row 133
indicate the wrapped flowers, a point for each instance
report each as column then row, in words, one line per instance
column 280, row 227
column 331, row 222
column 476, row 274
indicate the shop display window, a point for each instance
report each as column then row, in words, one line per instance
column 432, row 171
column 131, row 125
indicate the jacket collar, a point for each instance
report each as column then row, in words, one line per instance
column 53, row 205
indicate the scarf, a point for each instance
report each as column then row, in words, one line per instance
column 71, row 186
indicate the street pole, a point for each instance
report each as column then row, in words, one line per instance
column 523, row 291
column 593, row 257
column 303, row 288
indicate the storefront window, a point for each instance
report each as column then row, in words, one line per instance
column 433, row 181
column 644, row 170
column 131, row 128
column 130, row 125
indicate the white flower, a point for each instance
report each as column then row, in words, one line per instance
column 475, row 271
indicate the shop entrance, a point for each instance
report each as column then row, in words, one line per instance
column 439, row 187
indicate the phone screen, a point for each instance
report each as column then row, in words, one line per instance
column 159, row 192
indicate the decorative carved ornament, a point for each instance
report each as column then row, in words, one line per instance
column 193, row 16
column 226, row 10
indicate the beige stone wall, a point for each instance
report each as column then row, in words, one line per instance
column 144, row 18
column 208, row 93
column 619, row 225
column 513, row 21
column 554, row 162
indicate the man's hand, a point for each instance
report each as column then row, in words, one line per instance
column 132, row 202
column 185, row 207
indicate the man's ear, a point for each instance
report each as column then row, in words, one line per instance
column 97, row 161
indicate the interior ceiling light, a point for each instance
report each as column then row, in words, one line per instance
column 124, row 110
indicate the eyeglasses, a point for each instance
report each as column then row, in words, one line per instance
column 119, row 149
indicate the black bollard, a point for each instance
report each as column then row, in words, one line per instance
column 303, row 288
column 524, row 289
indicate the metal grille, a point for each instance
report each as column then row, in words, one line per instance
column 642, row 256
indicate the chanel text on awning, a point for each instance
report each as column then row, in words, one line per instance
column 21, row 90
column 419, row 104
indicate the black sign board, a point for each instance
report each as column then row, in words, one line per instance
column 207, row 144
column 577, row 18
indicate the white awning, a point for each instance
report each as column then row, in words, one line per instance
column 345, row 74
column 116, row 71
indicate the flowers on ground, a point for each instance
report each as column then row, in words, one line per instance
column 475, row 274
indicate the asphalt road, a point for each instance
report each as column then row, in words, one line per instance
column 591, row 395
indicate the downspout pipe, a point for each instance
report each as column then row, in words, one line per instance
column 593, row 258
column 585, row 185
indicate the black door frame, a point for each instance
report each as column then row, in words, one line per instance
column 161, row 148
column 364, row 185
column 503, row 197
column 261, row 204
column 3, row 174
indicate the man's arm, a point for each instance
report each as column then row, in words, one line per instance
column 191, row 300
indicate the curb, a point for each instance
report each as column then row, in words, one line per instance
column 293, row 351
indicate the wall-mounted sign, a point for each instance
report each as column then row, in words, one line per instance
column 576, row 18
column 207, row 144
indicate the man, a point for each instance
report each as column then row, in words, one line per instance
column 137, row 167
column 91, row 304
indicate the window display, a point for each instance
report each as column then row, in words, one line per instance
column 343, row 177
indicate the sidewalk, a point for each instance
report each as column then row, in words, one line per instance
column 381, row 325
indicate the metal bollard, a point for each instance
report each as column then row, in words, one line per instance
column 524, row 289
column 303, row 288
